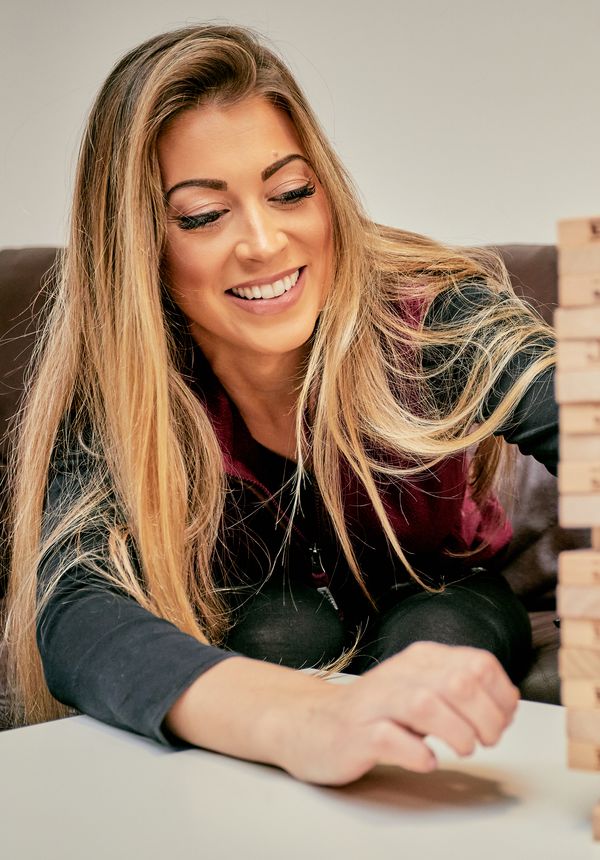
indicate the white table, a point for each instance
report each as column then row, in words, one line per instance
column 80, row 790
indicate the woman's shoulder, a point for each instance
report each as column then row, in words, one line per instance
column 75, row 451
column 458, row 302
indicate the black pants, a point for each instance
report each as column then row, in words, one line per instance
column 298, row 627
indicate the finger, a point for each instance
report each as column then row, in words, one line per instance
column 497, row 683
column 466, row 693
column 393, row 744
column 424, row 711
column 466, row 661
column 425, row 659
column 471, row 681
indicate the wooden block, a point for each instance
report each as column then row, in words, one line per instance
column 579, row 290
column 580, row 418
column 596, row 822
column 578, row 601
column 579, row 663
column 578, row 355
column 579, row 567
column 577, row 386
column 577, row 511
column 583, row 693
column 577, row 323
column 583, row 725
column 579, row 448
column 579, row 633
column 579, row 261
column 575, row 232
column 583, row 756
column 581, row 477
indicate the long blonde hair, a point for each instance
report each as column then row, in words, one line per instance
column 109, row 359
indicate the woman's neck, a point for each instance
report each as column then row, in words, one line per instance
column 265, row 390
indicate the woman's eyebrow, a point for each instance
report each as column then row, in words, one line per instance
column 277, row 165
column 221, row 185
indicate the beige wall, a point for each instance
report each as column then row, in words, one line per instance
column 473, row 121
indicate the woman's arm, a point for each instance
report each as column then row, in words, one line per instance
column 103, row 653
column 533, row 425
column 106, row 656
column 333, row 734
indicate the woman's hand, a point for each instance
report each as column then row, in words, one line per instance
column 332, row 734
column 459, row 695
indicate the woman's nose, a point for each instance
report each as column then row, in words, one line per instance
column 262, row 237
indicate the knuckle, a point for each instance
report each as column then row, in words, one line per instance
column 380, row 738
column 421, row 705
column 420, row 649
column 462, row 684
column 484, row 664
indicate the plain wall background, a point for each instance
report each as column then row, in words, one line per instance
column 472, row 121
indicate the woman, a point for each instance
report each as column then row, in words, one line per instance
column 255, row 446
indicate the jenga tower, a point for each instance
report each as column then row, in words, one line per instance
column 578, row 393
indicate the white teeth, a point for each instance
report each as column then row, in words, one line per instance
column 268, row 291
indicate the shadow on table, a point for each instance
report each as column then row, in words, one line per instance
column 442, row 789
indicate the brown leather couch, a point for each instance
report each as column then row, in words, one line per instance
column 530, row 565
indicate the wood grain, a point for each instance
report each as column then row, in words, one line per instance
column 577, row 323
column 579, row 567
column 579, row 633
column 579, row 663
column 580, row 693
column 580, row 418
column 583, row 756
column 578, row 232
column 583, row 725
column 579, row 511
column 584, row 260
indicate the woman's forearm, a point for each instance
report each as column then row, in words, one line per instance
column 333, row 734
column 243, row 707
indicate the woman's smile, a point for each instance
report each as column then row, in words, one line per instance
column 271, row 297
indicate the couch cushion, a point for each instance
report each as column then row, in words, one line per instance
column 22, row 271
column 533, row 271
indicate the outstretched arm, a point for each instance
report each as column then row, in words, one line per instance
column 333, row 734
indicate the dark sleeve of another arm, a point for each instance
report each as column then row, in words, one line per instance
column 533, row 425
column 105, row 655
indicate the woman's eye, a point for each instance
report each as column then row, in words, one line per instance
column 193, row 222
column 196, row 222
column 296, row 194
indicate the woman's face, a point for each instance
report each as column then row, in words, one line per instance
column 249, row 249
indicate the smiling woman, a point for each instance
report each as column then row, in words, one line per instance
column 255, row 442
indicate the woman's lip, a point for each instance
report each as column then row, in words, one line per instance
column 265, row 307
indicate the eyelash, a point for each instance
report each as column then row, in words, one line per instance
column 289, row 198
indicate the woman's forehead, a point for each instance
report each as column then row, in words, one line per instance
column 218, row 139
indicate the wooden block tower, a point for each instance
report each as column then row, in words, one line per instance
column 578, row 394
